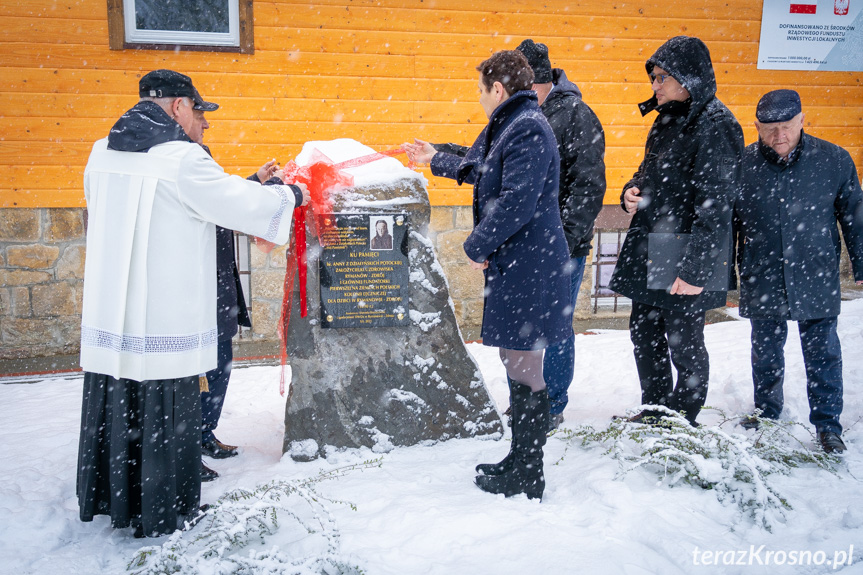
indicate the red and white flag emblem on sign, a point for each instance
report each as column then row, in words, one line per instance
column 840, row 7
column 804, row 8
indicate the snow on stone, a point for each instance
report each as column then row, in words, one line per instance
column 422, row 239
column 377, row 172
column 417, row 276
column 305, row 449
column 411, row 400
column 461, row 399
column 382, row 441
column 352, row 202
column 424, row 364
column 425, row 321
column 438, row 269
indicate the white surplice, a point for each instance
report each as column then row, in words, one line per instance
column 149, row 309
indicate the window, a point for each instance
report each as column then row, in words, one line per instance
column 243, row 258
column 215, row 25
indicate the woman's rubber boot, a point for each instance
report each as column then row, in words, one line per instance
column 506, row 463
column 529, row 436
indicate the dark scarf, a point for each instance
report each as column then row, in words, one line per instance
column 145, row 125
column 670, row 108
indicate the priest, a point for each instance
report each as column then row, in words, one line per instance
column 154, row 199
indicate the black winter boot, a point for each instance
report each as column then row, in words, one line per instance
column 506, row 463
column 529, row 428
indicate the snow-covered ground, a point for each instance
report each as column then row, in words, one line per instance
column 418, row 512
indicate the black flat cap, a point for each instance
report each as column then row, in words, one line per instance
column 170, row 84
column 537, row 57
column 778, row 106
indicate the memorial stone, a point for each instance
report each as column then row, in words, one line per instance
column 379, row 360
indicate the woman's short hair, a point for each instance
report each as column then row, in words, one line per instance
column 510, row 68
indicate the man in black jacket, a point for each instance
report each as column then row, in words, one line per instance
column 794, row 189
column 231, row 312
column 581, row 146
column 683, row 190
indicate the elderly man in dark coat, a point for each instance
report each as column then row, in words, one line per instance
column 794, row 189
column 518, row 241
column 683, row 190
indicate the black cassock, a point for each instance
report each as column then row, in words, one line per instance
column 139, row 454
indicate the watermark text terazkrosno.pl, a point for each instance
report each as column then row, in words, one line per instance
column 762, row 556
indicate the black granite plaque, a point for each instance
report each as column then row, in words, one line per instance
column 364, row 271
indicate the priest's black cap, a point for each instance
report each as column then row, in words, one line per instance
column 170, row 84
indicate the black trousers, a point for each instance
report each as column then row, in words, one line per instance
column 662, row 337
column 217, row 381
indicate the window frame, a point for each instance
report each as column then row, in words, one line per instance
column 118, row 41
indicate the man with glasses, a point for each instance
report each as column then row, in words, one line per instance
column 794, row 189
column 148, row 326
column 680, row 199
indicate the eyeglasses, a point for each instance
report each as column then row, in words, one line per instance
column 661, row 77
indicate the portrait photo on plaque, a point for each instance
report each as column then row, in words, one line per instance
column 365, row 274
column 380, row 235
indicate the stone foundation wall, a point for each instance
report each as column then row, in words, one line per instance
column 42, row 270
column 41, row 274
column 268, row 280
column 449, row 227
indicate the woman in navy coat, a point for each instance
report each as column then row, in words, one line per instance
column 518, row 242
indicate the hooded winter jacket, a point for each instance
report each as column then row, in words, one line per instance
column 785, row 225
column 581, row 145
column 688, row 180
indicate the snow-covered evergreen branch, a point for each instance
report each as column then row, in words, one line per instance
column 243, row 518
column 736, row 467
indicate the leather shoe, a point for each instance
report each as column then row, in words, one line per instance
column 218, row 450
column 831, row 442
column 554, row 421
column 185, row 522
column 749, row 422
column 645, row 417
column 207, row 474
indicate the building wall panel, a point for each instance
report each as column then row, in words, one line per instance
column 380, row 71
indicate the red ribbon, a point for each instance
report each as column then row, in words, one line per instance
column 321, row 176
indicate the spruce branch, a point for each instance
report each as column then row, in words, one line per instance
column 736, row 467
column 242, row 517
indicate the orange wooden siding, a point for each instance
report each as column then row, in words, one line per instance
column 381, row 72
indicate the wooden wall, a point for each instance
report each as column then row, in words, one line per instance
column 379, row 71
